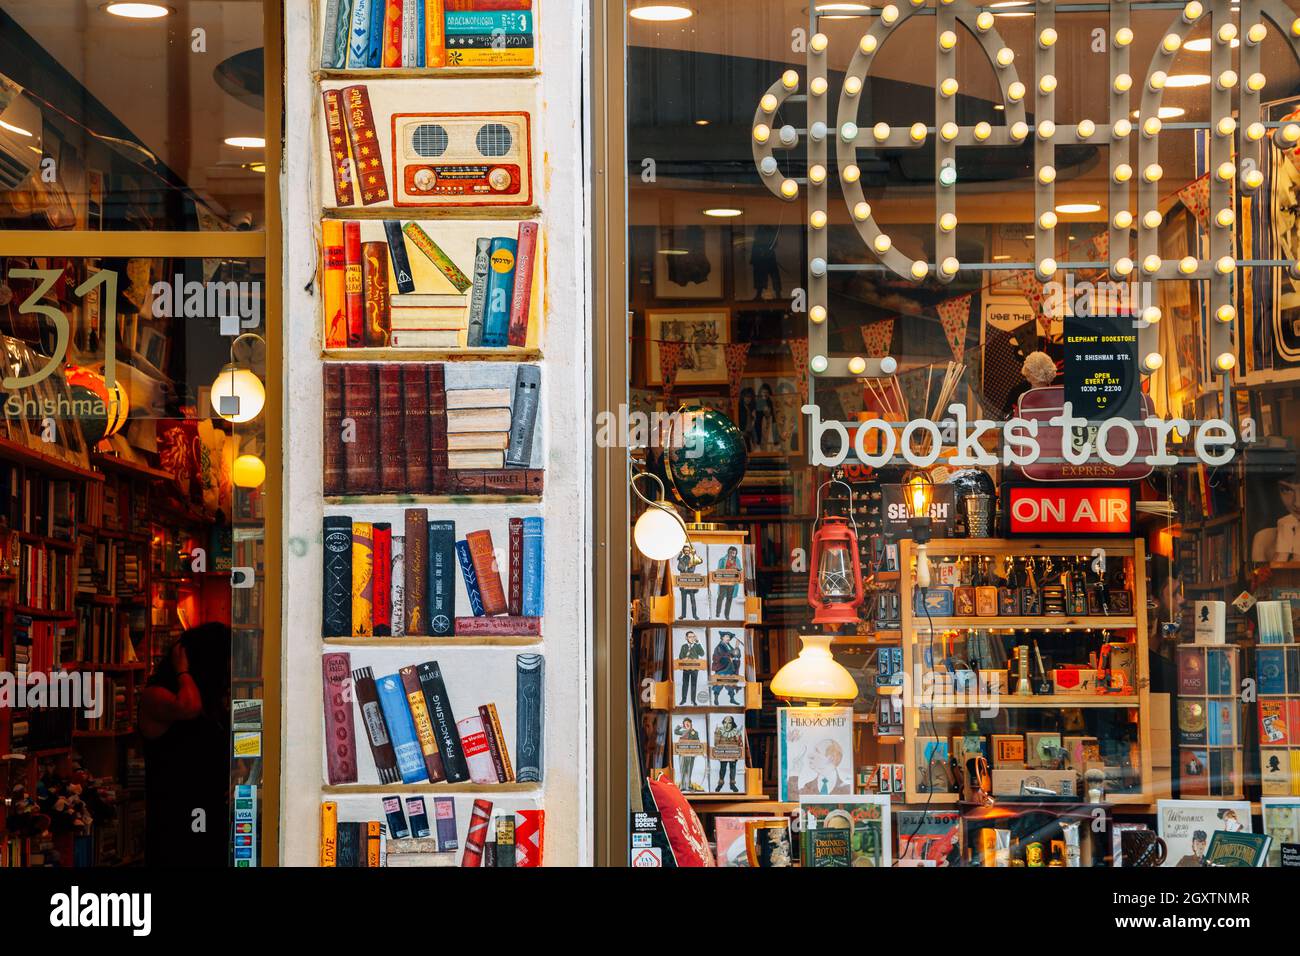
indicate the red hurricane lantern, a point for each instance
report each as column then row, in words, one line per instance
column 835, row 572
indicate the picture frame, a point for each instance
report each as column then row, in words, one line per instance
column 705, row 331
column 767, row 262
column 769, row 416
column 689, row 262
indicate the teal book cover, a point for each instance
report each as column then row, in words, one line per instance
column 1237, row 849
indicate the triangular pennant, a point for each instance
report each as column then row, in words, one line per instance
column 1196, row 197
column 876, row 338
column 954, row 316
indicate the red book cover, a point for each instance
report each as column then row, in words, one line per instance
column 393, row 33
column 361, row 456
column 485, row 569
column 460, row 5
column 498, row 626
column 494, row 748
column 515, row 592
column 415, row 445
column 364, row 139
column 339, row 148
column 392, row 430
column 437, row 392
column 353, row 286
column 522, row 300
column 374, row 293
column 334, row 464
column 494, row 481
column 381, row 608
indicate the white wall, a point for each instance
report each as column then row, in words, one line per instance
column 566, row 417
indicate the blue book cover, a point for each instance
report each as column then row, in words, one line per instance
column 359, row 35
column 471, row 579
column 1218, row 676
column 488, row 22
column 500, row 291
column 534, row 568
column 375, row 51
column 440, row 570
column 419, row 31
column 1271, row 670
column 401, row 729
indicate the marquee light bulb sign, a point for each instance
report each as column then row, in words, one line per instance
column 959, row 21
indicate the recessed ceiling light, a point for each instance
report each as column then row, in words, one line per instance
column 246, row 142
column 17, row 130
column 255, row 167
column 661, row 12
column 1166, row 112
column 1202, row 44
column 842, row 11
column 1078, row 208
column 1001, row 257
column 674, row 252
column 998, row 106
column 138, row 11
column 701, row 122
column 1028, row 238
column 1184, row 80
column 1006, row 8
column 724, row 212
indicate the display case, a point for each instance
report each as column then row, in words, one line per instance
column 1209, row 721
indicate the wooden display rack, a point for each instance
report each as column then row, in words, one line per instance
column 916, row 631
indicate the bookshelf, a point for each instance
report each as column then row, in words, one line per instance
column 1210, row 757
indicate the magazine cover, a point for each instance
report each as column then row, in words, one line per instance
column 1281, row 822
column 814, row 747
column 690, row 663
column 1186, row 825
column 865, row 817
column 934, row 835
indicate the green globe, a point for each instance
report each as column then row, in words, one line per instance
column 707, row 458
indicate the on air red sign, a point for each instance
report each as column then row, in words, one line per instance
column 1070, row 510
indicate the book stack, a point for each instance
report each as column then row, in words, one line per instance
column 425, row 34
column 372, row 298
column 389, row 430
column 378, row 584
column 405, row 837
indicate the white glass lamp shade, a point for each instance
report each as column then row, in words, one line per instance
column 659, row 534
column 815, row 675
column 241, row 384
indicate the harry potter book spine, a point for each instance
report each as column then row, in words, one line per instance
column 372, row 714
column 444, row 722
column 529, row 732
column 336, row 616
column 382, row 590
column 371, row 181
column 515, row 589
column 339, row 150
column 374, row 288
column 392, row 429
column 361, row 455
column 354, row 294
column 333, row 284
column 340, row 732
column 417, row 550
column 397, row 256
column 334, row 461
column 423, row 723
column 363, row 582
column 480, row 817
column 415, row 445
column 441, row 561
column 486, row 574
column 522, row 296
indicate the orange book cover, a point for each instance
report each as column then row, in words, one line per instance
column 333, row 284
column 435, row 39
column 392, row 34
column 372, row 843
column 485, row 569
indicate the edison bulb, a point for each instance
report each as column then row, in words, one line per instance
column 949, row 87
column 949, row 132
column 790, row 79
column 1226, row 362
column 849, row 132
column 1187, row 265
column 1151, row 314
column 1227, row 33
column 1123, row 266
column 1016, row 91
column 889, row 15
column 1158, row 80
column 789, row 188
column 983, row 131
column 1047, row 220
column 1255, row 131
column 853, row 85
column 1152, row 219
column 1226, row 127
column 1019, row 130
column 1086, row 128
column 862, row 211
column 1153, row 173
column 818, row 42
column 947, row 40
column 817, row 314
column 768, row 103
column 1225, row 265
column 851, row 173
column 1152, row 126
column 950, row 266
column 1226, row 80
column 984, row 22
column 882, row 243
column 1252, row 179
column 1171, row 43
column 818, row 86
column 1257, row 33
column 1122, row 128
column 767, row 166
column 867, row 44
column 920, row 269
column 948, row 222
column 1123, row 83
column 1151, row 263
column 818, row 266
column 1153, row 361
column 1123, row 36
column 1046, row 175
column 880, row 131
column 1047, row 267
column 817, row 174
column 1123, row 219
column 817, row 219
column 816, row 132
column 917, row 132
column 1047, row 37
column 1225, row 218
column 1005, row 57
column 1047, row 84
column 1046, row 129
column 1123, row 173
column 857, row 365
column 1225, row 313
column 1192, row 12
column 762, row 132
column 1226, row 171
column 1290, row 132
column 1255, row 82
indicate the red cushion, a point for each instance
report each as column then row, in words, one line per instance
column 685, row 833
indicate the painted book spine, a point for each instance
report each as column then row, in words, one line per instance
column 483, row 555
column 417, row 552
column 444, row 721
column 372, row 715
column 478, row 295
column 466, row 561
column 522, row 296
column 354, row 296
column 382, row 591
column 515, row 588
column 523, row 416
column 500, row 291
column 441, row 560
column 340, row 730
column 423, row 720
column 334, row 284
column 363, row 581
column 534, row 567
column 336, row 617
column 529, row 731
column 401, row 729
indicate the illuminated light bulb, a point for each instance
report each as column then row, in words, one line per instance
column 1047, row 267
column 768, row 103
column 889, row 15
column 1225, row 313
column 1016, row 91
column 817, row 314
column 1290, row 132
column 880, row 131
column 818, row 266
column 243, row 385
column 1252, row 179
column 1226, row 362
column 949, row 132
column 1152, row 126
column 819, row 42
column 1122, row 128
column 1046, row 38
column 1047, row 84
column 1225, row 218
column 1152, row 219
column 882, row 243
column 1151, row 314
column 1226, row 171
column 948, row 87
column 857, row 365
column 853, row 85
column 851, row 173
column 1227, row 33
column 917, row 132
column 248, row 471
column 762, row 132
column 1226, row 265
column 789, row 188
column 849, row 132
column 818, row 219
column 1005, row 57
column 867, row 44
column 1123, row 36
column 817, row 132
column 818, row 364
column 1192, row 12
column 1086, row 128
column 818, row 86
column 817, row 173
column 983, row 131
column 950, row 266
column 1151, row 263
column 1153, row 173
column 1255, row 82
column 1226, row 80
column 1153, row 361
column 1295, row 27
column 1226, row 127
column 947, row 40
column 1124, row 266
column 1019, row 130
column 948, row 222
column 1046, row 129
column 1123, row 219
column 1047, row 220
column 1123, row 83
column 1046, row 175
column 1171, row 43
column 790, row 79
column 920, row 269
column 767, row 166
column 1123, row 173
column 984, row 22
column 1158, row 80
column 862, row 211
column 1187, row 265
column 1257, row 33
column 1255, row 131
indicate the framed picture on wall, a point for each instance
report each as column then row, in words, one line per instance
column 689, row 262
column 769, row 415
column 704, row 332
column 767, row 262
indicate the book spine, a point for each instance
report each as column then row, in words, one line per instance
column 529, row 734
column 361, row 455
column 340, row 732
column 476, row 838
column 359, row 35
column 401, row 729
column 336, row 616
column 486, row 572
column 495, row 481
column 493, row 722
column 500, row 290
column 502, row 626
column 488, row 23
column 363, row 582
column 444, row 721
column 374, row 286
column 340, row 152
column 349, row 845
column 488, row 41
column 424, row 732
column 444, row 813
column 491, row 57
column 363, row 137
column 329, row 36
column 523, row 415
column 441, row 560
column 415, row 445
column 417, row 550
column 374, row 844
column 334, row 459
column 489, row 5
column 505, row 840
column 494, row 749
column 397, row 254
column 397, row 590
column 375, row 49
column 329, row 833
column 478, row 296
column 515, row 590
column 534, row 567
column 474, row 743
column 392, row 429
column 354, row 296
column 418, row 815
column 433, row 252
column 522, row 296
column 333, row 284
column 437, row 398
column 467, row 572
column 383, row 586
column 530, row 839
column 435, row 51
column 393, row 29
column 416, row 43
column 372, row 715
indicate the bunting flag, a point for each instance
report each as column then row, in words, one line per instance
column 1028, row 284
column 851, row 400
column 877, row 337
column 737, row 353
column 1101, row 247
column 670, row 359
column 954, row 315
column 799, row 350
column 1196, row 197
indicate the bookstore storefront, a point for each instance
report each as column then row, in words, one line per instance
column 962, row 389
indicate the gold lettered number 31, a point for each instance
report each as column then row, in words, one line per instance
column 45, row 279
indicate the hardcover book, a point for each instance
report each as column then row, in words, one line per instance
column 522, row 293
column 530, row 670
column 337, row 598
column 363, row 138
column 486, row 574
column 425, row 735
column 374, row 287
column 437, row 405
column 500, row 291
column 398, row 258
column 444, row 810
column 444, row 722
column 415, row 424
column 401, row 729
column 354, row 289
column 372, row 716
column 515, row 588
column 470, row 577
column 435, row 53
column 382, row 590
column 361, row 455
column 340, row 149
column 1237, row 849
column 392, row 426
column 340, row 733
column 334, row 460
column 474, row 743
column 479, row 293
column 497, row 738
column 441, row 559
column 417, row 550
column 397, row 591
column 862, row 823
column 534, row 576
column 333, row 284
column 523, row 416
column 363, row 582
column 476, row 838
